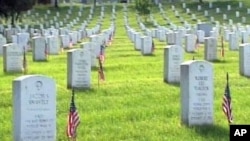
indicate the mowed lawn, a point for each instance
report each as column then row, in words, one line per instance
column 133, row 104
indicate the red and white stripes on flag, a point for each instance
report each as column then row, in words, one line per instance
column 73, row 119
column 226, row 105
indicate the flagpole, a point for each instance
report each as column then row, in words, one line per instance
column 227, row 77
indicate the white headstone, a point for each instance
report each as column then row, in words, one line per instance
column 79, row 68
column 12, row 58
column 210, row 5
column 40, row 49
column 224, row 16
column 237, row 14
column 147, row 45
column 138, row 43
column 53, row 45
column 210, row 51
column 217, row 10
column 240, row 4
column 228, row 7
column 200, row 36
column 3, row 41
column 233, row 42
column 34, row 108
column 92, row 52
column 173, row 57
column 197, row 93
column 198, row 7
column 244, row 59
column 190, row 42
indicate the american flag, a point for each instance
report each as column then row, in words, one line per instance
column 73, row 119
column 24, row 61
column 101, row 71
column 102, row 53
column 226, row 105
column 222, row 47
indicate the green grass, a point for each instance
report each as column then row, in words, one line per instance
column 133, row 104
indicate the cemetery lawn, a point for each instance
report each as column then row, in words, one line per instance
column 133, row 104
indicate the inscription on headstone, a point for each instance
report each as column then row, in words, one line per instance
column 34, row 108
column 197, row 93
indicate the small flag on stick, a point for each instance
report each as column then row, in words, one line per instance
column 24, row 61
column 222, row 47
column 70, row 43
column 73, row 119
column 101, row 71
column 226, row 105
column 197, row 43
column 153, row 46
column 102, row 52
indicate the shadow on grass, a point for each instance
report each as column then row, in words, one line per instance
column 149, row 55
column 172, row 84
column 129, row 55
column 212, row 131
column 219, row 61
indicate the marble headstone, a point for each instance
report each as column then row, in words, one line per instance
column 197, row 93
column 34, row 108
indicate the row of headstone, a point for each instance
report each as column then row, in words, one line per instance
column 80, row 61
column 141, row 42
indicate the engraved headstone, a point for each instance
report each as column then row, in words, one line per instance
column 190, row 42
column 40, row 49
column 244, row 59
column 147, row 47
column 233, row 41
column 79, row 68
column 173, row 57
column 210, row 51
column 3, row 41
column 197, row 93
column 34, row 108
column 89, row 45
column 53, row 45
column 12, row 58
column 201, row 36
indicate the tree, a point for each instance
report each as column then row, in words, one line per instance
column 13, row 8
column 143, row 7
column 201, row 1
column 94, row 3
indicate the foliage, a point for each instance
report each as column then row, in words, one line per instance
column 143, row 7
column 13, row 8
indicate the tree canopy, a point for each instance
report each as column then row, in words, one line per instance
column 13, row 8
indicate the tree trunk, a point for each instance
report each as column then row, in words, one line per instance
column 13, row 18
column 94, row 3
column 56, row 3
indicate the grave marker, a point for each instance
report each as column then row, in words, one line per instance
column 197, row 88
column 210, row 51
column 79, row 68
column 12, row 58
column 173, row 57
column 34, row 109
